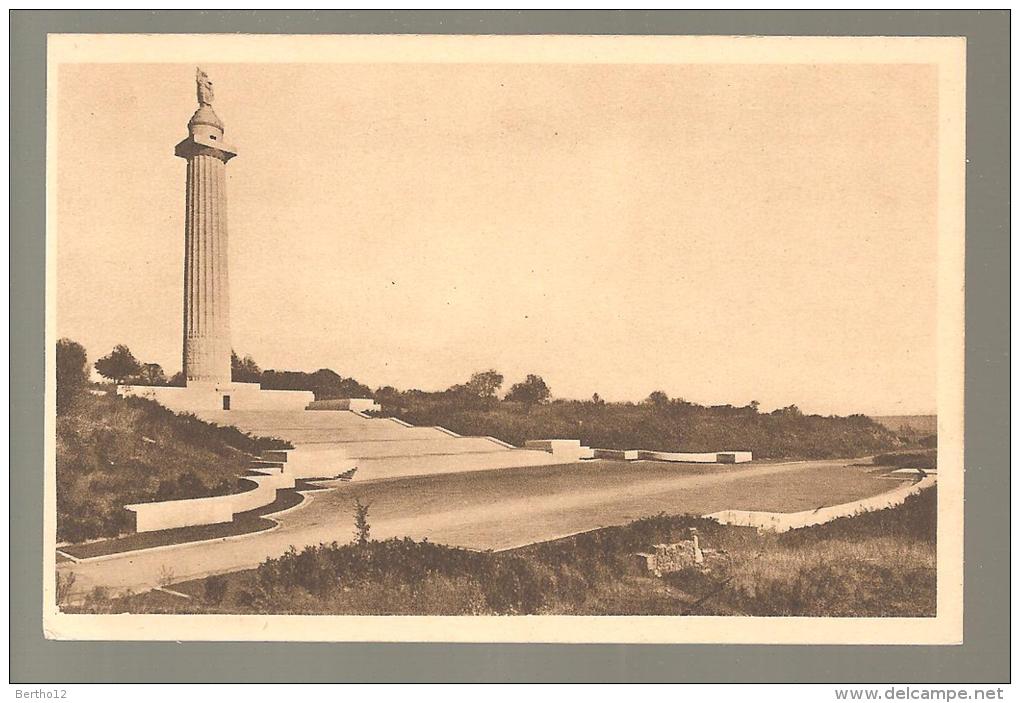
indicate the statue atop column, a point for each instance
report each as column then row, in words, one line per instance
column 205, row 115
column 204, row 86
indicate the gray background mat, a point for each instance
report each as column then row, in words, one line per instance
column 984, row 656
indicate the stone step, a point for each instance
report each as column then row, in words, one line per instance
column 251, row 420
column 265, row 464
column 318, row 435
column 444, row 445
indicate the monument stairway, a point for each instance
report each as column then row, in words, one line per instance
column 328, row 443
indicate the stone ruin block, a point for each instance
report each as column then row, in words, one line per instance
column 668, row 558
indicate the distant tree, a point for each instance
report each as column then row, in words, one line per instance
column 531, row 391
column 387, row 395
column 485, row 384
column 72, row 372
column 151, row 375
column 178, row 379
column 244, row 370
column 597, row 399
column 754, row 405
column 324, row 383
column 338, row 386
column 657, row 398
column 118, row 364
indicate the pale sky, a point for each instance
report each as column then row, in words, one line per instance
column 722, row 233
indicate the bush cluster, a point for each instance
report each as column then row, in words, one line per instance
column 525, row 581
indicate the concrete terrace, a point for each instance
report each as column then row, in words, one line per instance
column 380, row 448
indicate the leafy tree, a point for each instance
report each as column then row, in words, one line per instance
column 485, row 384
column 244, row 370
column 531, row 391
column 72, row 372
column 152, row 375
column 118, row 364
column 178, row 379
column 597, row 399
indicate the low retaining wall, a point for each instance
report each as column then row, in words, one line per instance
column 182, row 513
column 733, row 457
column 781, row 522
column 689, row 457
column 728, row 457
column 618, row 454
column 168, row 514
column 566, row 448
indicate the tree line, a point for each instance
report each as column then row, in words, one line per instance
column 121, row 366
column 527, row 410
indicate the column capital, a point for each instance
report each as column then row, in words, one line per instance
column 201, row 144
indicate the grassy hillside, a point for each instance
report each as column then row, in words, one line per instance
column 114, row 451
column 876, row 564
column 671, row 426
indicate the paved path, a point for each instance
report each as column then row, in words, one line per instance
column 495, row 510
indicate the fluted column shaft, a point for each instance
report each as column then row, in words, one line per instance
column 206, row 283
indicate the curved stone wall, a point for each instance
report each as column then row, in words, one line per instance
column 168, row 514
column 781, row 522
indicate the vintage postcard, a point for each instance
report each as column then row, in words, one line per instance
column 505, row 338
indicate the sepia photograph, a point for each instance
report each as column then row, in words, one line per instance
column 508, row 339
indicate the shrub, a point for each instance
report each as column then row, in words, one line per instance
column 362, row 529
column 65, row 584
column 215, row 589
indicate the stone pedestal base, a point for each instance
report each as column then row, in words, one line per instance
column 199, row 397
